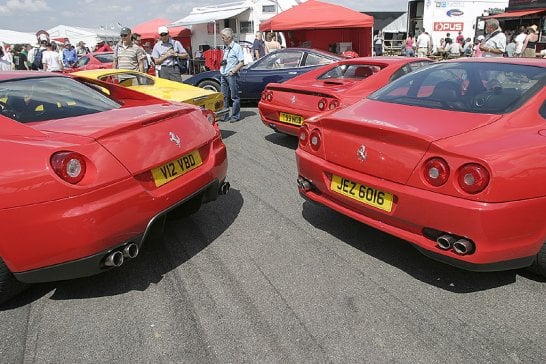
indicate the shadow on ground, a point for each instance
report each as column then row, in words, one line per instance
column 159, row 256
column 401, row 254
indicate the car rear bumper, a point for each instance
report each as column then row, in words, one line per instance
column 506, row 235
column 270, row 117
column 96, row 263
column 78, row 231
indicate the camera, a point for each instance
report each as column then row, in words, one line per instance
column 223, row 63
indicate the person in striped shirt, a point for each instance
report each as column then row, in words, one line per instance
column 128, row 55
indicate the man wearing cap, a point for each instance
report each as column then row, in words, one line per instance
column 168, row 55
column 128, row 55
column 81, row 50
column 69, row 55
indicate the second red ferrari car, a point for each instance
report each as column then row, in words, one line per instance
column 450, row 158
column 284, row 106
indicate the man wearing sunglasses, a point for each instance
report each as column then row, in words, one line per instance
column 128, row 55
column 169, row 56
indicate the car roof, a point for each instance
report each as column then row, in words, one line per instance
column 507, row 60
column 16, row 75
column 382, row 60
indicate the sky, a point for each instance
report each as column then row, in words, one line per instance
column 32, row 15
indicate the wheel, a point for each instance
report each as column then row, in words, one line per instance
column 539, row 266
column 210, row 85
column 9, row 286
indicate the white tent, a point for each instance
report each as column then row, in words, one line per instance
column 398, row 25
column 13, row 37
column 87, row 35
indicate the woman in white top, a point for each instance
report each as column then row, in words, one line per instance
column 6, row 60
column 271, row 43
column 51, row 59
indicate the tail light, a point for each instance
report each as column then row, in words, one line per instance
column 473, row 178
column 70, row 166
column 219, row 105
column 267, row 95
column 436, row 171
column 322, row 104
column 314, row 139
column 209, row 115
column 303, row 135
column 333, row 104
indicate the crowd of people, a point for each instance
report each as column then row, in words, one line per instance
column 494, row 43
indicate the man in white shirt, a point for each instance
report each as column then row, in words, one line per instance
column 423, row 44
column 494, row 44
column 52, row 60
column 520, row 38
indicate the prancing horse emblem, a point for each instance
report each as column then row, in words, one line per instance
column 361, row 153
column 293, row 99
column 175, row 139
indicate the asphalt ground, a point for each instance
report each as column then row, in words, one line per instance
column 260, row 275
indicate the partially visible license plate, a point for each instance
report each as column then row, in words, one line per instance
column 176, row 168
column 367, row 195
column 291, row 118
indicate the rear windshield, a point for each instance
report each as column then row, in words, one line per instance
column 358, row 71
column 478, row 87
column 47, row 98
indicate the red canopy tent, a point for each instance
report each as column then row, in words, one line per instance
column 148, row 32
column 321, row 25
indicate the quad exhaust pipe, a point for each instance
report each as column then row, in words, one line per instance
column 460, row 246
column 117, row 257
column 304, row 184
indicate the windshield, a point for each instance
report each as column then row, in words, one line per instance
column 479, row 87
column 39, row 99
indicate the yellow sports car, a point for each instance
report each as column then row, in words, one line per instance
column 161, row 88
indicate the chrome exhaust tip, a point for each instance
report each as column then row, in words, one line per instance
column 130, row 250
column 445, row 242
column 114, row 259
column 224, row 188
column 463, row 246
column 304, row 184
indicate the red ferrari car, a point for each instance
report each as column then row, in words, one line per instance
column 94, row 61
column 450, row 158
column 284, row 106
column 88, row 170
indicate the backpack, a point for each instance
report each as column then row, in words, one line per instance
column 37, row 61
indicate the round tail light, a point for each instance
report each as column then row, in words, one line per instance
column 322, row 104
column 314, row 140
column 436, row 171
column 70, row 166
column 333, row 104
column 209, row 115
column 473, row 178
column 269, row 95
column 303, row 135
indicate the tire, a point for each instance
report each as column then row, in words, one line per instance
column 9, row 286
column 539, row 266
column 210, row 85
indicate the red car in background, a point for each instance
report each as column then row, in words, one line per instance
column 284, row 106
column 98, row 60
column 449, row 158
column 93, row 167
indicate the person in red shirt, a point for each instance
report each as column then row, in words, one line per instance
column 102, row 46
column 460, row 38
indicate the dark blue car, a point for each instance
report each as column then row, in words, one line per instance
column 277, row 66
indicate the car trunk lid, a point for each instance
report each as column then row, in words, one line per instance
column 388, row 140
column 141, row 137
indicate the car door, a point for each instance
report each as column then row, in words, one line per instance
column 273, row 67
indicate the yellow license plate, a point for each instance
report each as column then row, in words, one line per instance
column 176, row 168
column 290, row 118
column 367, row 195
